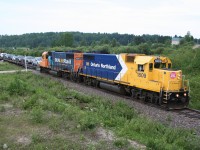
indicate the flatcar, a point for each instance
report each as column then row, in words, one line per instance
column 148, row 78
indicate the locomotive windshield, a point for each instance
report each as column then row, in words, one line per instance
column 159, row 65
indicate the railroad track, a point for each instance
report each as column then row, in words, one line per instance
column 187, row 112
column 190, row 113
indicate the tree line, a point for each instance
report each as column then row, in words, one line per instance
column 75, row 39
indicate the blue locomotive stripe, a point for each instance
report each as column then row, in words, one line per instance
column 102, row 65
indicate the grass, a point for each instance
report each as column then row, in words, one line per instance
column 56, row 121
column 4, row 66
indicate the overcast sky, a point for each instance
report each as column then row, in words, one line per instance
column 163, row 17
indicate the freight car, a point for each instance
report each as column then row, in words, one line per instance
column 148, row 78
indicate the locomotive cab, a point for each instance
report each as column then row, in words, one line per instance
column 44, row 63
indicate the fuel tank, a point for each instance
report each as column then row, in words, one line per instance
column 113, row 88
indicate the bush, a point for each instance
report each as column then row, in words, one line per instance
column 18, row 87
column 30, row 102
column 88, row 121
column 37, row 115
column 121, row 143
column 158, row 50
column 36, row 138
column 82, row 97
column 4, row 96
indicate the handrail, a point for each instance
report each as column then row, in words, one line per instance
column 188, row 86
column 168, row 85
column 183, row 80
column 163, row 80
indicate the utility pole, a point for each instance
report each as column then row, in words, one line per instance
column 25, row 63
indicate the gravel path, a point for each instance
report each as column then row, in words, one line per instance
column 13, row 71
column 166, row 117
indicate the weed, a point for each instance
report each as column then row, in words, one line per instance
column 155, row 144
column 2, row 109
column 72, row 113
column 39, row 146
column 18, row 87
column 4, row 96
column 65, row 143
column 5, row 66
column 37, row 138
column 82, row 97
column 121, row 143
column 30, row 102
column 37, row 115
column 122, row 110
column 91, row 147
column 55, row 124
column 88, row 121
column 82, row 138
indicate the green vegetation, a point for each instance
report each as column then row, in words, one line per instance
column 75, row 39
column 48, row 115
column 4, row 66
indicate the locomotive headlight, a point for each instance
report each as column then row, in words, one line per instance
column 177, row 95
column 185, row 94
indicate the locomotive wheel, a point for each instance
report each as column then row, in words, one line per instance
column 41, row 69
column 145, row 97
column 80, row 79
column 89, row 81
column 85, row 80
column 133, row 93
column 59, row 74
column 151, row 97
column 97, row 84
column 160, row 101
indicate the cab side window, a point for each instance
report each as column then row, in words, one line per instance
column 140, row 67
column 169, row 66
column 150, row 66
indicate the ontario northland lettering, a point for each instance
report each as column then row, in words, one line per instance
column 105, row 66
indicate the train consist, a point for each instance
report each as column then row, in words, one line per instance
column 148, row 78
column 21, row 60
